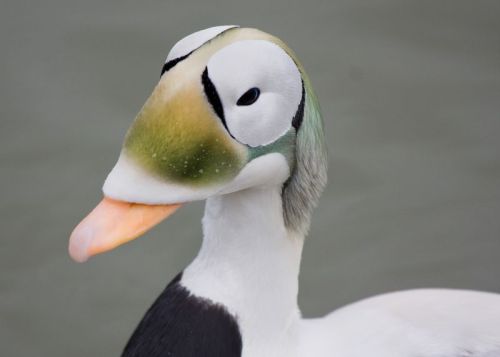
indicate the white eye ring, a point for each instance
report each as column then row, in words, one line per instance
column 260, row 90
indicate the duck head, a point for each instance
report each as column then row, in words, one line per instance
column 233, row 109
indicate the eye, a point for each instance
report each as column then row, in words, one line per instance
column 249, row 97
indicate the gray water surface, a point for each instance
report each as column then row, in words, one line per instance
column 410, row 92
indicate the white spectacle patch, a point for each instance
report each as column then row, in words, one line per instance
column 195, row 40
column 256, row 64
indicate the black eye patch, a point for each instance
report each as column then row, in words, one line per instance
column 212, row 95
column 299, row 115
column 249, row 97
column 170, row 64
column 213, row 98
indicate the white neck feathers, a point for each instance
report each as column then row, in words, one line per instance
column 249, row 263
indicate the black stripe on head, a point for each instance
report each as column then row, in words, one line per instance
column 170, row 64
column 213, row 98
column 299, row 115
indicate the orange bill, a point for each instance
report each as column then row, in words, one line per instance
column 113, row 223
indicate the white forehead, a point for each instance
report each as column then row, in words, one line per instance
column 195, row 40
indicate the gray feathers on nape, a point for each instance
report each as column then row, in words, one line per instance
column 303, row 189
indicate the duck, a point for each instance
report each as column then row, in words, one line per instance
column 234, row 121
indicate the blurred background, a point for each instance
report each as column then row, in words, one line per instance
column 410, row 92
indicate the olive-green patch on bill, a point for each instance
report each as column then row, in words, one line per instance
column 179, row 139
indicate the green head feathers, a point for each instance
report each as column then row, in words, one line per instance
column 198, row 134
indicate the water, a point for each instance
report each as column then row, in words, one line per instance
column 410, row 91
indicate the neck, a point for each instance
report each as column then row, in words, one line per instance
column 249, row 263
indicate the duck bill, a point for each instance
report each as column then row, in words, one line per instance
column 176, row 151
column 113, row 223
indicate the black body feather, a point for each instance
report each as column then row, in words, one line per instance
column 179, row 324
